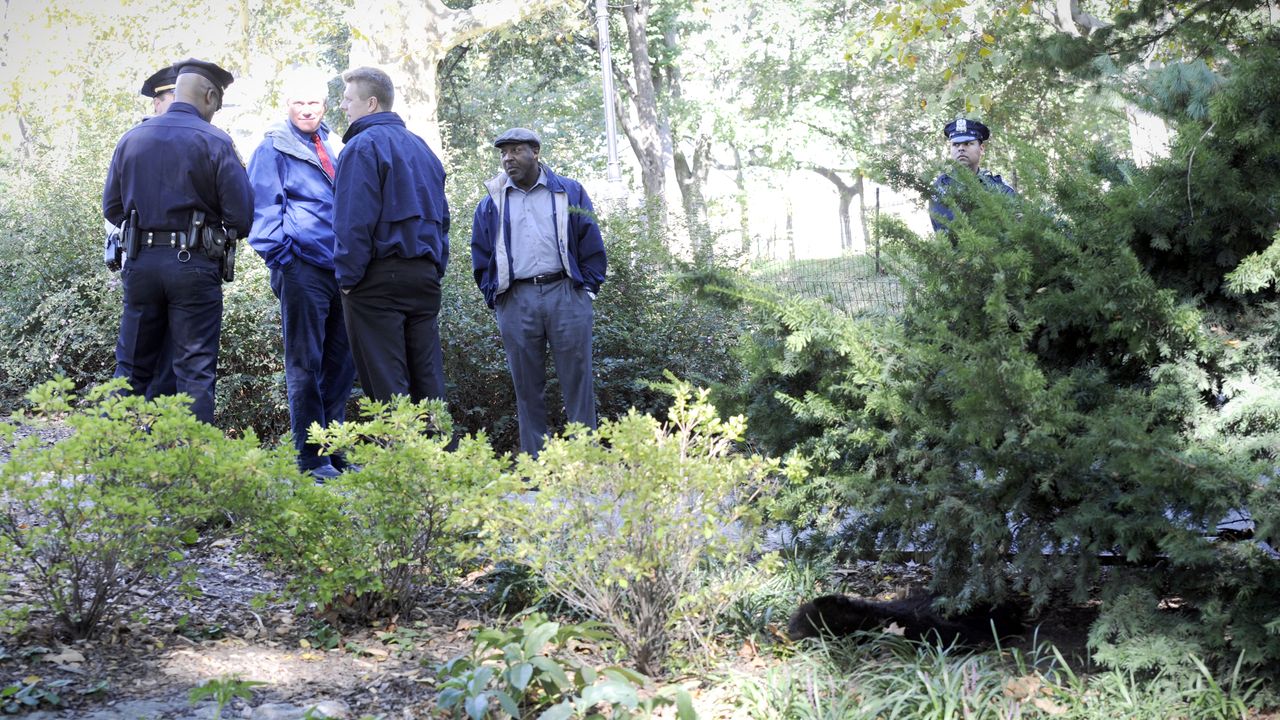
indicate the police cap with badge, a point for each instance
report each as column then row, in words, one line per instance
column 963, row 130
column 164, row 80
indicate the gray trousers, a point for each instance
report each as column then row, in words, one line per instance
column 531, row 317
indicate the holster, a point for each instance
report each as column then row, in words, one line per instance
column 194, row 232
column 130, row 237
column 112, row 252
column 220, row 244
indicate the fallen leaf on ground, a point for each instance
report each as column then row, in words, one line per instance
column 67, row 656
column 1022, row 688
column 1048, row 707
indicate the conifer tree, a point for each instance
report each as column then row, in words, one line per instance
column 1096, row 380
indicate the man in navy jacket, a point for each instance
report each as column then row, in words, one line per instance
column 292, row 174
column 539, row 259
column 392, row 224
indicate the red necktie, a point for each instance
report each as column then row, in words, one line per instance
column 324, row 155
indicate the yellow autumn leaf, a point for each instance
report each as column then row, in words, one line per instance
column 984, row 52
column 988, row 38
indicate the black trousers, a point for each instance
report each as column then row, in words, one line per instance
column 168, row 301
column 393, row 324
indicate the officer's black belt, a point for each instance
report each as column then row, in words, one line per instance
column 162, row 238
column 543, row 279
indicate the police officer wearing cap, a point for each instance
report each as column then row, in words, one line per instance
column 159, row 87
column 163, row 173
column 967, row 140
column 539, row 259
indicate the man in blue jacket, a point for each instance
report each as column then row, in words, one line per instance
column 392, row 224
column 163, row 172
column 539, row 259
column 292, row 174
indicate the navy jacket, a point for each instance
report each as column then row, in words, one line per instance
column 577, row 236
column 175, row 163
column 940, row 214
column 388, row 198
column 292, row 198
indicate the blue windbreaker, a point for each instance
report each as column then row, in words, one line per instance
column 388, row 198
column 292, row 200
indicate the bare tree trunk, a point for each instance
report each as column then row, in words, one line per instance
column 690, row 175
column 409, row 38
column 791, row 232
column 744, row 217
column 846, row 192
column 862, row 211
column 645, row 131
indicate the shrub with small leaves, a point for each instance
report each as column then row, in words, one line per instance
column 364, row 543
column 531, row 670
column 628, row 519
column 223, row 690
column 120, row 499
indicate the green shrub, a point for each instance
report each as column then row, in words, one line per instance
column 119, row 500
column 364, row 543
column 627, row 520
column 531, row 670
column 251, row 388
column 59, row 307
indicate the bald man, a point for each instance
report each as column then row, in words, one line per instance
column 163, row 172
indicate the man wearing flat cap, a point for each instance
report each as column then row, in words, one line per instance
column 391, row 222
column 967, row 140
column 539, row 259
column 166, row 174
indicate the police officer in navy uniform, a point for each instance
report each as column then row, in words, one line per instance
column 163, row 172
column 967, row 141
column 159, row 87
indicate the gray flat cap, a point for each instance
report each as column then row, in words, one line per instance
column 519, row 135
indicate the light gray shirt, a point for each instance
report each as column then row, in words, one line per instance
column 533, row 234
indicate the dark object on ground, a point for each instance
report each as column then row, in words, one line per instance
column 840, row 616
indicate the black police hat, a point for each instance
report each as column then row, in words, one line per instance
column 161, row 82
column 963, row 130
column 215, row 74
column 518, row 135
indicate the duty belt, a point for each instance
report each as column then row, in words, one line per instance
column 172, row 238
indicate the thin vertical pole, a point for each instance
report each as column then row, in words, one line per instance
column 606, row 71
column 879, row 270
